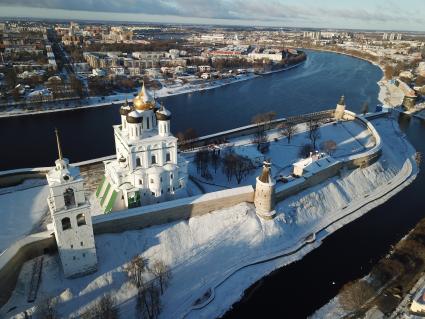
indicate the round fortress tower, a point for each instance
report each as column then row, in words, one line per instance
column 264, row 199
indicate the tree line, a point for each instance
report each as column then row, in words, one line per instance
column 149, row 278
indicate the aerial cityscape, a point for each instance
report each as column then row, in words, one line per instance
column 212, row 159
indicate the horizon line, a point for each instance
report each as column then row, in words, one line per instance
column 104, row 21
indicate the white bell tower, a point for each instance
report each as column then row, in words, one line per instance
column 71, row 218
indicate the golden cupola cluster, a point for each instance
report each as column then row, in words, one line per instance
column 143, row 101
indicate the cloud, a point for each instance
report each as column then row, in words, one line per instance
column 265, row 10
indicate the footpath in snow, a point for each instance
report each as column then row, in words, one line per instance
column 222, row 253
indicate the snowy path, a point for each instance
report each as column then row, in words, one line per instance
column 21, row 208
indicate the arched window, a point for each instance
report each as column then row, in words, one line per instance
column 168, row 157
column 69, row 198
column 153, row 159
column 66, row 223
column 147, row 123
column 138, row 162
column 81, row 219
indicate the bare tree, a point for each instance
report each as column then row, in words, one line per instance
column 389, row 71
column 365, row 108
column 411, row 246
column 288, row 129
column 328, row 146
column 215, row 159
column 236, row 165
column 185, row 137
column 418, row 158
column 314, row 136
column 162, row 273
column 148, row 303
column 228, row 167
column 190, row 133
column 202, row 159
column 420, row 80
column 261, row 139
column 305, row 150
column 313, row 129
column 262, row 121
column 103, row 309
column 243, row 166
column 386, row 269
column 46, row 309
column 354, row 295
column 136, row 269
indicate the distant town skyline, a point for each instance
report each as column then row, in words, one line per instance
column 360, row 14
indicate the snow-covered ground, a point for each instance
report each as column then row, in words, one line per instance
column 389, row 94
column 351, row 137
column 214, row 252
column 22, row 210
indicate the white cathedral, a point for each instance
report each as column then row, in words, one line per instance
column 147, row 168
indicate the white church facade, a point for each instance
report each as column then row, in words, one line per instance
column 147, row 168
column 71, row 218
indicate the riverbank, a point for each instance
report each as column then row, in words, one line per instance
column 394, row 287
column 221, row 261
column 121, row 98
column 389, row 95
column 161, row 93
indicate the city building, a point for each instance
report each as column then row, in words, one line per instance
column 314, row 35
column 147, row 168
column 149, row 59
column 71, row 218
column 230, row 51
column 266, row 54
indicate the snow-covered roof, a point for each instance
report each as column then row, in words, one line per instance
column 169, row 166
column 313, row 165
column 155, row 170
column 164, row 111
column 67, row 173
column 135, row 114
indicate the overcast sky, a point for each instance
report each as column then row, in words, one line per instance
column 355, row 14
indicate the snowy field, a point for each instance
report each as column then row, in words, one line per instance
column 206, row 253
column 22, row 210
column 351, row 138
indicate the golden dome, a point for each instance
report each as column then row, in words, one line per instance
column 143, row 100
